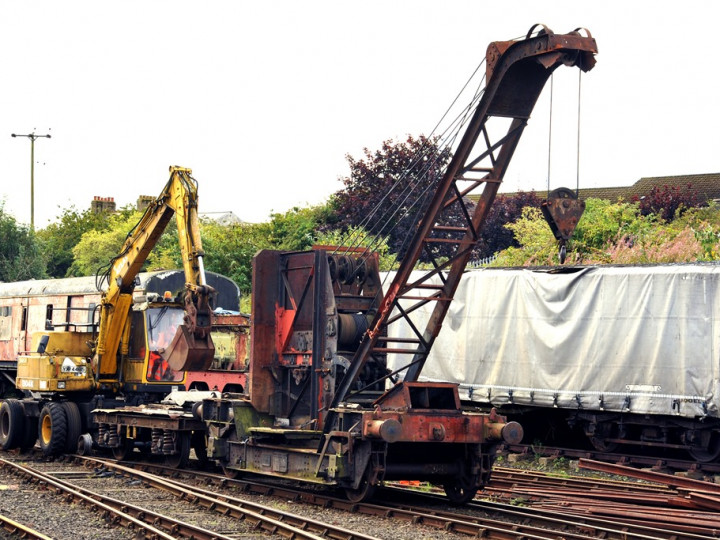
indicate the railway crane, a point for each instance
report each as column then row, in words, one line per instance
column 322, row 406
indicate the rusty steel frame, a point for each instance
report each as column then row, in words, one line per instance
column 517, row 73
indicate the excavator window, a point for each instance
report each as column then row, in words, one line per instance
column 162, row 324
column 137, row 337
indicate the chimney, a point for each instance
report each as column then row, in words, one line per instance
column 102, row 204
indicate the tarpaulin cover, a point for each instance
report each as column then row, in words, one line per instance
column 641, row 339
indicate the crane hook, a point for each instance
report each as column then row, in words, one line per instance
column 562, row 210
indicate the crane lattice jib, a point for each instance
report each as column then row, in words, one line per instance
column 516, row 74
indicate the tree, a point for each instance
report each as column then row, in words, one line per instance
column 669, row 201
column 20, row 255
column 389, row 189
column 59, row 239
column 296, row 229
column 506, row 209
column 97, row 248
column 618, row 233
column 229, row 249
column 536, row 243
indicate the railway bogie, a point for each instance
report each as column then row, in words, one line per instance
column 160, row 430
column 438, row 443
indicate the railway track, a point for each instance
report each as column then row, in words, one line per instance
column 495, row 523
column 665, row 463
column 200, row 504
column 18, row 530
column 485, row 519
column 163, row 509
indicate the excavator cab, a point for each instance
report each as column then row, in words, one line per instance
column 162, row 323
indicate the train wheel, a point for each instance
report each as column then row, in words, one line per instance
column 231, row 473
column 601, row 445
column 124, row 451
column 74, row 426
column 599, row 436
column 12, row 428
column 363, row 492
column 460, row 491
column 84, row 445
column 199, row 445
column 711, row 453
column 52, row 429
column 182, row 445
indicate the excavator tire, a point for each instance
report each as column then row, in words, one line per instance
column 52, row 429
column 12, row 424
column 74, row 426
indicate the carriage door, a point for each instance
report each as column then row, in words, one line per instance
column 23, row 337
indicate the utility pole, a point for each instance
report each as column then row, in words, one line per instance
column 32, row 136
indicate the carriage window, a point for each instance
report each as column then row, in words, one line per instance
column 91, row 312
column 23, row 324
column 48, row 317
column 5, row 323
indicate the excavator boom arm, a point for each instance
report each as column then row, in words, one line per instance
column 179, row 198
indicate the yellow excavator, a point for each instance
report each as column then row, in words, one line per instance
column 142, row 348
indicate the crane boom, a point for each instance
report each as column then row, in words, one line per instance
column 179, row 198
column 516, row 74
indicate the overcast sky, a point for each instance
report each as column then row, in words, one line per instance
column 263, row 100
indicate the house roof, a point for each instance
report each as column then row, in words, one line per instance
column 707, row 186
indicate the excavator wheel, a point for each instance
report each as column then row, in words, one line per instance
column 52, row 429
column 74, row 426
column 12, row 416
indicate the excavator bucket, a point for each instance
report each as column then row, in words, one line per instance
column 189, row 352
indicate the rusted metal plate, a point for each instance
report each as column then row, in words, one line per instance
column 562, row 210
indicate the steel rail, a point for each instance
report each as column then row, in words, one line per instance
column 610, row 457
column 19, row 530
column 559, row 520
column 458, row 523
column 485, row 528
column 120, row 516
column 165, row 522
column 506, row 475
column 265, row 518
